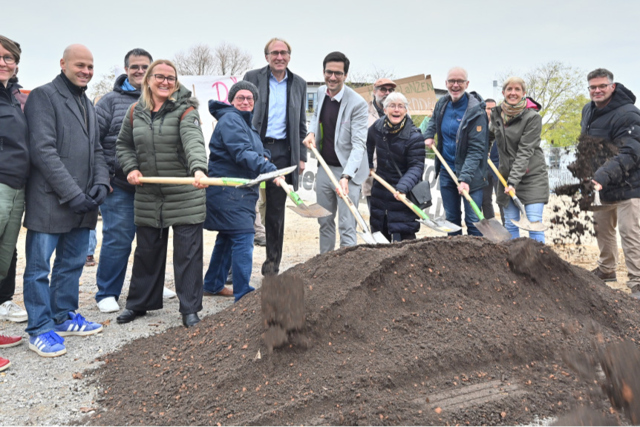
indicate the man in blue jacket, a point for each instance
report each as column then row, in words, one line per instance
column 460, row 121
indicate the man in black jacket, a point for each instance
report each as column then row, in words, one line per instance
column 280, row 117
column 612, row 116
column 118, row 228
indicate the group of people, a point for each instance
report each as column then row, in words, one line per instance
column 63, row 158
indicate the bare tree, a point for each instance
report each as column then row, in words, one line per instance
column 223, row 60
column 365, row 78
column 101, row 87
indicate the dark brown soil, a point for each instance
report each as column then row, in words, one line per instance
column 435, row 331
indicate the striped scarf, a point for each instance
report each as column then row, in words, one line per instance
column 509, row 112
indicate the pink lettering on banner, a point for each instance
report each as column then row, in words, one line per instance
column 225, row 91
column 234, row 80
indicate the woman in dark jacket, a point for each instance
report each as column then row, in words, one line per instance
column 14, row 170
column 235, row 151
column 400, row 148
column 161, row 136
column 517, row 126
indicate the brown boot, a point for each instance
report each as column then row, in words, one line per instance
column 225, row 292
column 606, row 277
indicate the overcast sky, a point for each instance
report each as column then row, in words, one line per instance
column 488, row 37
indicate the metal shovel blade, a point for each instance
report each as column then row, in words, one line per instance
column 525, row 224
column 373, row 238
column 441, row 225
column 379, row 238
column 597, row 204
column 493, row 230
column 310, row 211
column 270, row 175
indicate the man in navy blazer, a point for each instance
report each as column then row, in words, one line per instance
column 338, row 130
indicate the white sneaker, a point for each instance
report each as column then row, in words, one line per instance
column 12, row 312
column 168, row 294
column 108, row 305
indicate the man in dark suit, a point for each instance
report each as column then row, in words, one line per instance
column 280, row 118
column 69, row 179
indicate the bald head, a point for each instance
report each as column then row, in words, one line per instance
column 77, row 64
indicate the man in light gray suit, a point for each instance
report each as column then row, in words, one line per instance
column 69, row 179
column 339, row 125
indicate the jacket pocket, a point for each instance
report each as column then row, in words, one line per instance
column 64, row 144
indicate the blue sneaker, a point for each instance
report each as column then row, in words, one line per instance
column 77, row 325
column 48, row 344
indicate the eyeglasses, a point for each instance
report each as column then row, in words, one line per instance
column 338, row 74
column 458, row 82
column 396, row 106
column 249, row 99
column 161, row 77
column 594, row 88
column 283, row 53
column 8, row 59
column 386, row 89
column 139, row 67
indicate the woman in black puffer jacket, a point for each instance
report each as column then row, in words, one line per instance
column 397, row 140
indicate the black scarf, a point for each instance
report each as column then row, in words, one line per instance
column 379, row 109
column 78, row 94
column 393, row 129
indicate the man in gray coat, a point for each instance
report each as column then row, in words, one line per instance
column 339, row 126
column 279, row 116
column 69, row 180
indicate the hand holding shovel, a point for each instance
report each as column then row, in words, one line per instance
column 490, row 228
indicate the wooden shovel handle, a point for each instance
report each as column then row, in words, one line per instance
column 402, row 197
column 500, row 177
column 225, row 182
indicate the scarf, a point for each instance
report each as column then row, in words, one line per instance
column 393, row 129
column 509, row 112
column 378, row 109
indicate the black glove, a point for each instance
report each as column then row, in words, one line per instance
column 99, row 193
column 81, row 204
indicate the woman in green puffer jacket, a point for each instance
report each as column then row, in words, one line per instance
column 161, row 136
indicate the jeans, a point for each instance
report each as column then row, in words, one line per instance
column 93, row 242
column 11, row 209
column 118, row 231
column 231, row 250
column 46, row 302
column 534, row 213
column 451, row 201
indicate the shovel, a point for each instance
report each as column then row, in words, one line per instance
column 440, row 225
column 301, row 208
column 219, row 182
column 367, row 236
column 597, row 205
column 524, row 222
column 490, row 228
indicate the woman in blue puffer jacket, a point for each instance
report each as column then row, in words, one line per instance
column 400, row 148
column 235, row 151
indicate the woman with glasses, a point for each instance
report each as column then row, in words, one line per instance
column 236, row 150
column 400, row 149
column 517, row 126
column 14, row 170
column 161, row 136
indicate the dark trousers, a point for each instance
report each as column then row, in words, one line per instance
column 150, row 261
column 487, row 199
column 276, row 201
column 395, row 237
column 8, row 285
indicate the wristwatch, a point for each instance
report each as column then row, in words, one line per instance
column 345, row 176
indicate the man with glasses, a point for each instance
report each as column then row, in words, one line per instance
column 118, row 228
column 381, row 89
column 460, row 121
column 68, row 180
column 280, row 118
column 612, row 117
column 339, row 130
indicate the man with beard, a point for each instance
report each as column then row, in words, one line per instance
column 612, row 116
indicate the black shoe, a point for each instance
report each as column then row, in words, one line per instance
column 606, row 277
column 269, row 269
column 190, row 319
column 229, row 280
column 260, row 241
column 129, row 315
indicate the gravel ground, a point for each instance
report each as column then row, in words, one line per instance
column 40, row 391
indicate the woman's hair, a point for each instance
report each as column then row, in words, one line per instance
column 147, row 99
column 12, row 47
column 395, row 97
column 514, row 80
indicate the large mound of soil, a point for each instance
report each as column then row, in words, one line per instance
column 438, row 331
